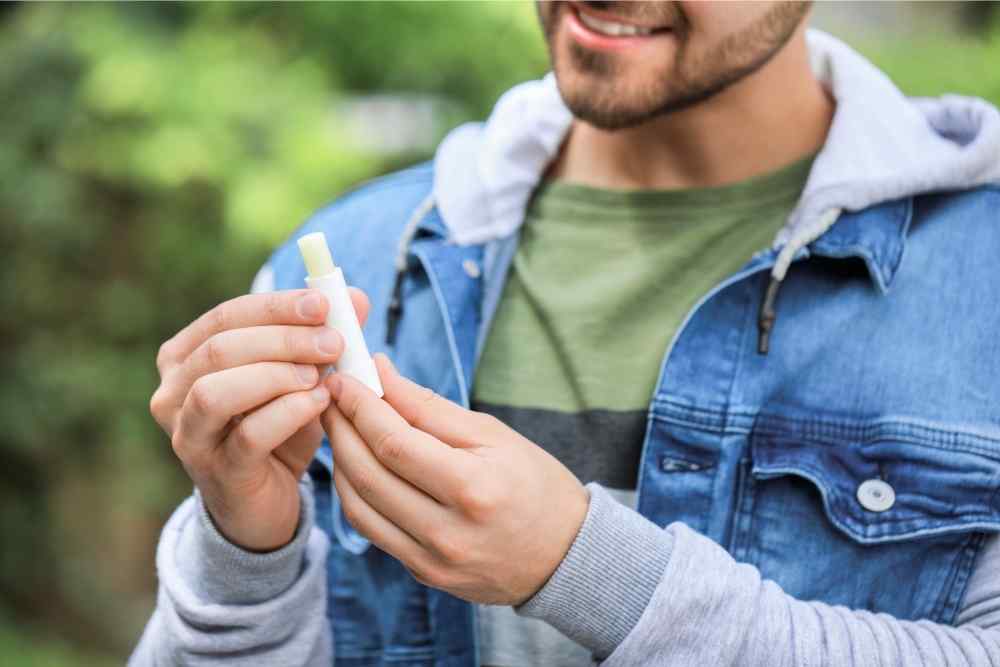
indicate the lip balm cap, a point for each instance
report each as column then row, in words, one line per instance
column 316, row 254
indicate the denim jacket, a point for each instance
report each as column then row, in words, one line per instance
column 857, row 463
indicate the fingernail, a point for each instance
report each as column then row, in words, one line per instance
column 328, row 341
column 307, row 373
column 309, row 306
column 320, row 394
column 333, row 385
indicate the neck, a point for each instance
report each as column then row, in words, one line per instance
column 769, row 119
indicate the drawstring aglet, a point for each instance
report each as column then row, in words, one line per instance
column 395, row 310
column 767, row 316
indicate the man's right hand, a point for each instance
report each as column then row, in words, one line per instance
column 240, row 398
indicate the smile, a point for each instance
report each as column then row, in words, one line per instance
column 611, row 28
column 603, row 33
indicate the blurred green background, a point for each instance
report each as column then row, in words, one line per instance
column 151, row 156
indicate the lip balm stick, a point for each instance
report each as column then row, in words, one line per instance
column 329, row 279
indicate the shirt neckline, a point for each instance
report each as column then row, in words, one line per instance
column 589, row 202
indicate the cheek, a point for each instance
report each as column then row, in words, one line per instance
column 546, row 11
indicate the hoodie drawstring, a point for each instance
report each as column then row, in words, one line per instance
column 805, row 235
column 395, row 309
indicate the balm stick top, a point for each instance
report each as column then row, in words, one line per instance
column 316, row 254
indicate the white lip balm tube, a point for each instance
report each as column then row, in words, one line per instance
column 329, row 279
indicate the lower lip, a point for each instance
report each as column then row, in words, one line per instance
column 601, row 42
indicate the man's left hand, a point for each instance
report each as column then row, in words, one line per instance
column 464, row 502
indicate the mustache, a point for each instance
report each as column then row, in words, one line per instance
column 646, row 13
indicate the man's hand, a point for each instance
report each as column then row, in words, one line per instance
column 240, row 398
column 467, row 505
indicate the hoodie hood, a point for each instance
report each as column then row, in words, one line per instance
column 881, row 146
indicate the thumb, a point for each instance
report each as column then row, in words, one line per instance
column 428, row 411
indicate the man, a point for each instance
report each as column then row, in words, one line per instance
column 727, row 298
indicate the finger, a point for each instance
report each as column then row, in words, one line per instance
column 238, row 347
column 428, row 411
column 241, row 347
column 304, row 306
column 380, row 531
column 421, row 459
column 361, row 304
column 298, row 451
column 394, row 498
column 267, row 427
column 218, row 397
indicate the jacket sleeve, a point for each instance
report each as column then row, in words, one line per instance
column 218, row 604
column 675, row 597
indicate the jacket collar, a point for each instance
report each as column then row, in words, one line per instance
column 433, row 225
column 876, row 234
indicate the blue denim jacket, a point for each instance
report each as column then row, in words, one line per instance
column 884, row 364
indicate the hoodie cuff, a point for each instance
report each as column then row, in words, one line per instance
column 220, row 572
column 604, row 583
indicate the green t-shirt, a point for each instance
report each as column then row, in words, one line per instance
column 600, row 282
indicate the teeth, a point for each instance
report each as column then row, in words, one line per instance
column 610, row 27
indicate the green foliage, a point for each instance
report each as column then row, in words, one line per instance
column 931, row 67
column 22, row 646
column 151, row 155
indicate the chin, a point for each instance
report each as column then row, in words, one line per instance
column 608, row 103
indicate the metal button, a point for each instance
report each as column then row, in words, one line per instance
column 876, row 495
column 471, row 268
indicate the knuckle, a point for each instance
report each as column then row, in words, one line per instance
column 273, row 305
column 446, row 546
column 353, row 406
column 391, row 446
column 425, row 573
column 219, row 316
column 478, row 501
column 177, row 444
column 426, row 400
column 204, row 401
column 157, row 404
column 214, row 352
column 364, row 483
column 165, row 356
column 292, row 342
column 302, row 406
column 245, row 438
column 351, row 514
column 285, row 375
column 161, row 408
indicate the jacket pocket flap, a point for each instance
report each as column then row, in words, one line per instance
column 887, row 481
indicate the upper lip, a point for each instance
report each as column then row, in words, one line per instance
column 607, row 16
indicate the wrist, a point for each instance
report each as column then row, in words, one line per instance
column 254, row 537
column 574, row 518
column 602, row 586
column 224, row 572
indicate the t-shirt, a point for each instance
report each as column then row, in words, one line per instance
column 599, row 284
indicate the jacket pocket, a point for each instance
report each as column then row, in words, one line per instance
column 940, row 481
column 884, row 515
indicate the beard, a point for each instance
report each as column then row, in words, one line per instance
column 596, row 85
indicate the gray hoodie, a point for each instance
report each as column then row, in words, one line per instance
column 675, row 597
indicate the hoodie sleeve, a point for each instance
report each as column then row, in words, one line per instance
column 218, row 604
column 675, row 597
